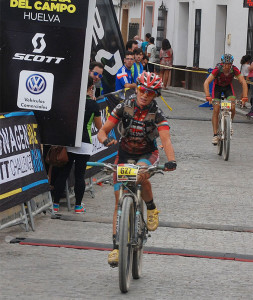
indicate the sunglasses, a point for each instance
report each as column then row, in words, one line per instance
column 97, row 74
column 147, row 91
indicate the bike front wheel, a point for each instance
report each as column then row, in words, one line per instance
column 226, row 141
column 125, row 243
column 138, row 251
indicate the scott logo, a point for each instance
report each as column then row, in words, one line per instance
column 39, row 45
column 36, row 84
column 39, row 37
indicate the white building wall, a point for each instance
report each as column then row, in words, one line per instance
column 237, row 29
column 181, row 35
column 236, row 25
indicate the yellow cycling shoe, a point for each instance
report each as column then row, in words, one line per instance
column 152, row 219
column 113, row 258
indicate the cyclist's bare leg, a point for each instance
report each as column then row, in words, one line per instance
column 215, row 118
column 146, row 191
column 165, row 78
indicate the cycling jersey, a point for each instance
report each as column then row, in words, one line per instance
column 137, row 140
column 221, row 79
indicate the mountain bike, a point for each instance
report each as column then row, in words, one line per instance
column 131, row 228
column 224, row 128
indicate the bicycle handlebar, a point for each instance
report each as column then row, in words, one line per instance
column 100, row 164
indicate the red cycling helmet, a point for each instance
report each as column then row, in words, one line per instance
column 151, row 81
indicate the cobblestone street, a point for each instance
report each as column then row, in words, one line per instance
column 206, row 205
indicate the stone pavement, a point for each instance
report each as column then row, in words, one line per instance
column 204, row 192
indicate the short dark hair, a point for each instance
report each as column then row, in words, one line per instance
column 90, row 81
column 245, row 59
column 129, row 53
column 152, row 40
column 145, row 57
column 138, row 51
column 148, row 35
column 96, row 64
column 130, row 43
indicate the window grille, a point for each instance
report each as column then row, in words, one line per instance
column 197, row 38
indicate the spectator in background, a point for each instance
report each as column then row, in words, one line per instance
column 144, row 45
column 144, row 62
column 124, row 77
column 96, row 72
column 166, row 59
column 138, row 40
column 250, row 75
column 151, row 52
column 131, row 45
column 80, row 155
column 137, row 67
column 245, row 63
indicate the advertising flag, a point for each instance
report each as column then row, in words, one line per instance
column 45, row 56
column 107, row 43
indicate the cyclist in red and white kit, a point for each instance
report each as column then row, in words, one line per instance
column 142, row 122
column 223, row 75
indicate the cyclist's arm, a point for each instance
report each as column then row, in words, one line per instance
column 104, row 131
column 244, row 86
column 209, row 79
column 167, row 145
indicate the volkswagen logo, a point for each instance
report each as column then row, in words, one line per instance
column 36, row 84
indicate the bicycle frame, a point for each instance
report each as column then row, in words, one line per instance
column 225, row 112
column 133, row 191
column 224, row 128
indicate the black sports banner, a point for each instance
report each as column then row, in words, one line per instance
column 247, row 3
column 22, row 170
column 107, row 43
column 45, row 56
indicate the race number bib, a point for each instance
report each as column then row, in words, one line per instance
column 226, row 105
column 126, row 172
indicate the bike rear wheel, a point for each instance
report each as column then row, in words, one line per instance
column 220, row 142
column 125, row 247
column 226, row 141
column 138, row 252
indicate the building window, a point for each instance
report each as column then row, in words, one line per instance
column 197, row 38
column 133, row 30
column 250, row 33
